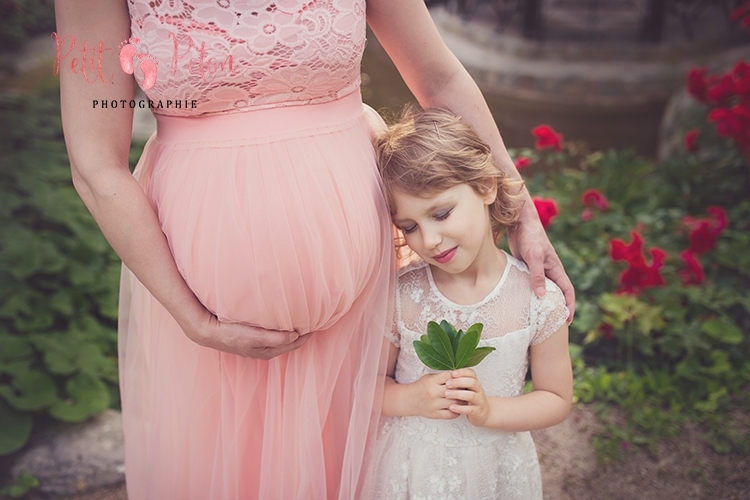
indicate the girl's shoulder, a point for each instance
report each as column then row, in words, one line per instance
column 554, row 293
column 412, row 285
column 546, row 314
column 411, row 270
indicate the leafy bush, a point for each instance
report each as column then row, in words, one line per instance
column 658, row 255
column 20, row 19
column 58, row 281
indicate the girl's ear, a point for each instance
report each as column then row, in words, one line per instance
column 488, row 191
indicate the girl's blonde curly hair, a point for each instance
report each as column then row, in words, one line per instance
column 428, row 151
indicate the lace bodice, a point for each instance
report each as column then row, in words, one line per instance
column 233, row 55
column 513, row 316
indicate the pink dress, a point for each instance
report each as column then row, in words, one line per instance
column 268, row 193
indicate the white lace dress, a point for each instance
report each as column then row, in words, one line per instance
column 425, row 459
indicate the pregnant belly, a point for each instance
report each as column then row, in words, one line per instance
column 283, row 234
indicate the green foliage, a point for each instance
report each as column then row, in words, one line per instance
column 669, row 353
column 58, row 281
column 444, row 348
column 20, row 19
column 24, row 483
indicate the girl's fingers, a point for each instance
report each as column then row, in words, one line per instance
column 463, row 372
column 447, row 414
column 462, row 409
column 463, row 383
column 444, row 403
column 468, row 396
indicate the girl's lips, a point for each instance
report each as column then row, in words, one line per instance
column 445, row 256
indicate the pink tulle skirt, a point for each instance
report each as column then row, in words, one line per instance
column 275, row 218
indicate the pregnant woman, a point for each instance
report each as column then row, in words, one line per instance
column 258, row 259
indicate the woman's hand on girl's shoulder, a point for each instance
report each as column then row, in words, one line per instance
column 245, row 340
column 529, row 242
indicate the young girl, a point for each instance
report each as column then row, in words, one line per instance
column 463, row 434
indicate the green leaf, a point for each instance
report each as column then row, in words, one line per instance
column 459, row 335
column 30, row 390
column 430, row 357
column 15, row 430
column 479, row 354
column 467, row 345
column 451, row 331
column 88, row 396
column 23, row 483
column 14, row 347
column 441, row 342
column 722, row 329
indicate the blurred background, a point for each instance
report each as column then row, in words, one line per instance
column 629, row 121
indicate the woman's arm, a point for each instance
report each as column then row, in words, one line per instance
column 436, row 78
column 98, row 142
column 548, row 404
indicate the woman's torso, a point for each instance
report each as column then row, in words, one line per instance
column 235, row 55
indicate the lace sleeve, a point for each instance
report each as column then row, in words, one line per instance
column 393, row 333
column 548, row 313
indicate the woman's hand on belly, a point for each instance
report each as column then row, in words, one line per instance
column 244, row 340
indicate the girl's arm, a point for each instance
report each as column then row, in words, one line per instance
column 436, row 78
column 425, row 397
column 548, row 404
column 98, row 142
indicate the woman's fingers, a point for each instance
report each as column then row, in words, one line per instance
column 272, row 352
column 262, row 338
column 251, row 341
column 556, row 273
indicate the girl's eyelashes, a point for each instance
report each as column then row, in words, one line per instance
column 443, row 214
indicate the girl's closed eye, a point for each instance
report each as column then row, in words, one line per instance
column 409, row 229
column 443, row 214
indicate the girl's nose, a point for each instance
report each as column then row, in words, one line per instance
column 431, row 238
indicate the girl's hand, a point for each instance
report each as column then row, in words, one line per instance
column 428, row 397
column 245, row 340
column 467, row 390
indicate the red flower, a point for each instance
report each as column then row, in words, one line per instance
column 692, row 274
column 691, row 140
column 741, row 75
column 639, row 274
column 607, row 330
column 594, row 198
column 696, row 84
column 546, row 137
column 742, row 14
column 740, row 11
column 547, row 209
column 587, row 215
column 522, row 162
column 733, row 123
column 722, row 91
column 631, row 253
column 705, row 232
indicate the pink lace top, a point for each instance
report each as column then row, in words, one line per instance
column 232, row 55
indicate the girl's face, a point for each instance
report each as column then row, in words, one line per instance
column 450, row 230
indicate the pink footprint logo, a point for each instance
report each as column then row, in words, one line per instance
column 128, row 52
